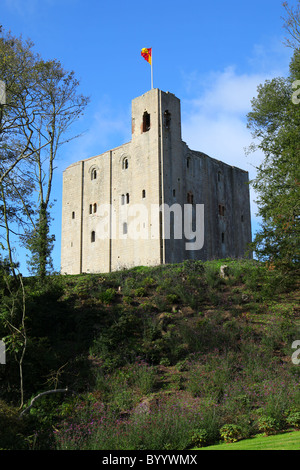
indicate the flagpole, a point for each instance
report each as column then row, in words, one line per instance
column 151, row 68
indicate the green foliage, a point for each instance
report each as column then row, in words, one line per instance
column 107, row 296
column 11, row 428
column 42, row 102
column 275, row 123
column 268, row 425
column 40, row 244
column 219, row 361
column 231, row 432
column 199, row 438
column 293, row 418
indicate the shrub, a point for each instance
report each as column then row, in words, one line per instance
column 140, row 292
column 268, row 425
column 231, row 432
column 172, row 298
column 11, row 428
column 148, row 282
column 199, row 438
column 107, row 296
column 293, row 418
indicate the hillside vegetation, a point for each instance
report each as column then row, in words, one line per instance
column 168, row 357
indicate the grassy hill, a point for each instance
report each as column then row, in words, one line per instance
column 169, row 357
column 286, row 441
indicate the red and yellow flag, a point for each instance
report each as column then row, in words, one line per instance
column 147, row 54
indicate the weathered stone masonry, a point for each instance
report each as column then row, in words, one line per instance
column 155, row 168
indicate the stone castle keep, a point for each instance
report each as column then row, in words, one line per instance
column 152, row 200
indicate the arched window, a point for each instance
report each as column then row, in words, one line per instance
column 125, row 163
column 93, row 174
column 146, row 121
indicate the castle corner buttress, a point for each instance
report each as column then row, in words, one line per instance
column 152, row 200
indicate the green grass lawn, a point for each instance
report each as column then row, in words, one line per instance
column 286, row 441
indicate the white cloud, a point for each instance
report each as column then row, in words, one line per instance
column 215, row 121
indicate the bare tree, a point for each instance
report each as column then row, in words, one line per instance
column 292, row 25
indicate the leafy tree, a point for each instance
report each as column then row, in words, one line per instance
column 42, row 102
column 275, row 125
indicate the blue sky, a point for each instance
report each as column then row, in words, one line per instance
column 212, row 55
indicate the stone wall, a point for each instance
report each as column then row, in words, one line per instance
column 108, row 213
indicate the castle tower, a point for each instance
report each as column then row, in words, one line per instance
column 153, row 200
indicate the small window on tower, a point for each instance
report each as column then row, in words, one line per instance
column 146, row 121
column 143, row 193
column 73, row 215
column 93, row 237
column 124, row 228
column 221, row 209
column 167, row 119
column 93, row 174
column 125, row 164
column 91, row 208
column 95, row 207
column 127, row 198
column 190, row 198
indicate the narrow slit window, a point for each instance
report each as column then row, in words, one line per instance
column 125, row 163
column 93, row 236
column 143, row 193
column 221, row 210
column 127, row 198
column 167, row 119
column 223, row 237
column 94, row 174
column 174, row 192
column 123, row 199
column 95, row 207
column 190, row 198
column 73, row 215
column 91, row 208
column 124, row 228
column 146, row 121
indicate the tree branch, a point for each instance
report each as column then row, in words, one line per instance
column 58, row 390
